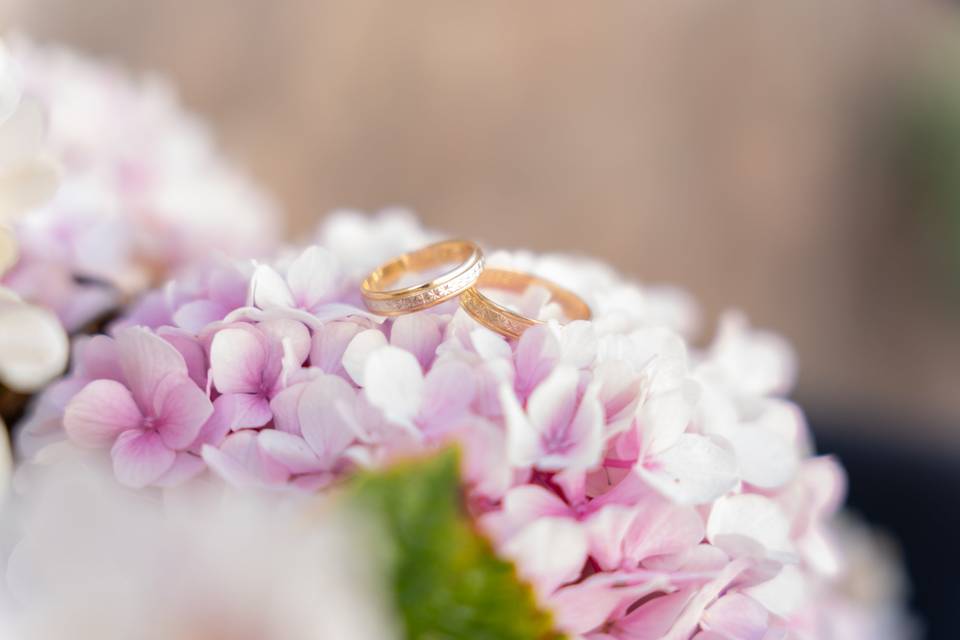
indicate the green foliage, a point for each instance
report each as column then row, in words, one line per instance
column 447, row 581
column 930, row 130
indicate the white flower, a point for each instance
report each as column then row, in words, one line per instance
column 28, row 175
column 97, row 561
column 33, row 345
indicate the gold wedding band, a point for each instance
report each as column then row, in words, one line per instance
column 394, row 302
column 510, row 323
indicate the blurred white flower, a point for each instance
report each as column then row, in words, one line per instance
column 33, row 345
column 144, row 191
column 28, row 174
column 98, row 561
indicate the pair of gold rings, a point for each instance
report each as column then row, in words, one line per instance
column 465, row 279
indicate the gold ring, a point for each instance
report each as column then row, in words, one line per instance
column 510, row 323
column 394, row 302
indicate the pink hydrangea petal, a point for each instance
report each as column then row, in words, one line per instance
column 417, row 333
column 524, row 505
column 88, row 302
column 147, row 359
column 485, row 466
column 43, row 424
column 555, row 433
column 606, row 529
column 662, row 528
column 100, row 412
column 448, row 391
column 488, row 379
column 287, row 331
column 586, row 430
column 238, row 357
column 97, row 357
column 217, row 426
column 688, row 621
column 140, row 458
column 704, row 558
column 286, row 406
column 604, row 597
column 196, row 315
column 245, row 410
column 182, row 408
column 314, row 277
column 620, row 392
column 552, row 407
column 537, row 353
column 327, row 416
column 329, row 344
column 654, row 619
column 737, row 616
column 241, row 462
column 192, row 351
column 230, row 469
column 289, row 450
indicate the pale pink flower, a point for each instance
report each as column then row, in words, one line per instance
column 247, row 367
column 311, row 284
column 150, row 419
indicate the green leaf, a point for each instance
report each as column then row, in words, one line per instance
column 447, row 581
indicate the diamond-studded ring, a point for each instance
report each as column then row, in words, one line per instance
column 380, row 298
column 507, row 322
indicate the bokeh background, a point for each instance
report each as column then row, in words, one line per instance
column 799, row 160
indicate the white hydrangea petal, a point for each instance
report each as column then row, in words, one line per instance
column 578, row 343
column 269, row 290
column 665, row 416
column 695, row 470
column 765, row 459
column 750, row 516
column 33, row 346
column 523, row 441
column 394, row 383
column 358, row 351
column 548, row 553
column 784, row 594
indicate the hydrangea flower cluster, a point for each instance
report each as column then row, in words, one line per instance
column 645, row 488
column 143, row 193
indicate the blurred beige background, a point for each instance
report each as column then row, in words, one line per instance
column 721, row 146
